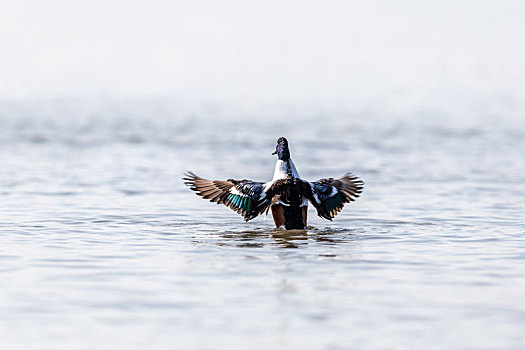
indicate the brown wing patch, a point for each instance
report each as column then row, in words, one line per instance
column 214, row 190
column 245, row 197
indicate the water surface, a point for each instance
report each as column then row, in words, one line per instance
column 104, row 247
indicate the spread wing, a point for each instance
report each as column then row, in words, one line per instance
column 245, row 197
column 330, row 195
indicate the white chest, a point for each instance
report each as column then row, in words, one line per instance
column 284, row 169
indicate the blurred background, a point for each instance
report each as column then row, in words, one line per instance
column 350, row 54
column 104, row 104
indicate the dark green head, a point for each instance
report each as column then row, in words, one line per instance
column 282, row 150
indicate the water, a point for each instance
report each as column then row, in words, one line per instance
column 102, row 246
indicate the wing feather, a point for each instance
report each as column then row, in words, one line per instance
column 329, row 196
column 245, row 197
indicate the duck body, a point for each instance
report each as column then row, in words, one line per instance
column 290, row 207
column 290, row 196
column 287, row 195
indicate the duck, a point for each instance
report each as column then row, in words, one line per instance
column 286, row 195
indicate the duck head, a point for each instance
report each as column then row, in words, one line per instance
column 282, row 150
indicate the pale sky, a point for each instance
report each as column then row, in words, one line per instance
column 266, row 48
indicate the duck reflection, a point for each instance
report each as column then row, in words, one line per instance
column 289, row 238
column 285, row 238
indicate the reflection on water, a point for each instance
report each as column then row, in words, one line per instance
column 291, row 239
column 260, row 238
column 103, row 246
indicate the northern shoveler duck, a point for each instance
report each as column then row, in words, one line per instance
column 287, row 195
